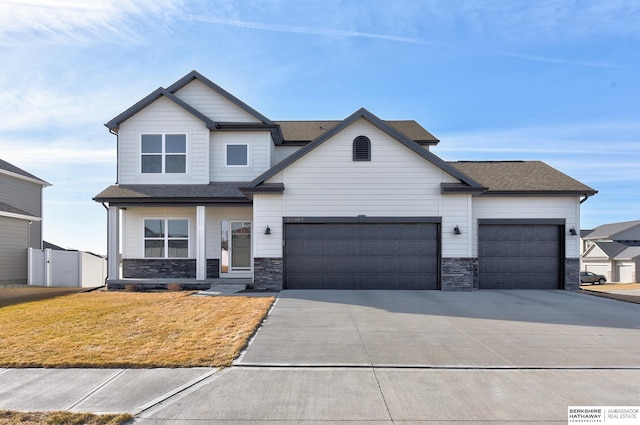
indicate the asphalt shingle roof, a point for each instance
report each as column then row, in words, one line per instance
column 4, row 207
column 4, row 165
column 630, row 253
column 213, row 191
column 521, row 176
column 612, row 249
column 607, row 230
column 306, row 131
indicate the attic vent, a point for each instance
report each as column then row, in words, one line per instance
column 361, row 149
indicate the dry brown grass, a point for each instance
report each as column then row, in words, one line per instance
column 61, row 418
column 133, row 330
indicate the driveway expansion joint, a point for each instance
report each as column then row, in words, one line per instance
column 95, row 390
column 162, row 400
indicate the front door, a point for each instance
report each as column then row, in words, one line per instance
column 235, row 256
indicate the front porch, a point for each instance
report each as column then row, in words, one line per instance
column 188, row 284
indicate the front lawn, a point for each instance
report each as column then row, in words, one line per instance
column 61, row 418
column 128, row 330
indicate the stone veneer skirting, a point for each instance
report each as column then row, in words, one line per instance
column 459, row 274
column 267, row 274
column 158, row 268
column 213, row 268
column 571, row 274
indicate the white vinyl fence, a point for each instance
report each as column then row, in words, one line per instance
column 49, row 267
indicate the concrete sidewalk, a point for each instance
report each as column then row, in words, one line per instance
column 381, row 357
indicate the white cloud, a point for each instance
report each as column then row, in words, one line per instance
column 560, row 61
column 75, row 20
column 303, row 30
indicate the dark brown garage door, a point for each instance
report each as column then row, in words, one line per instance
column 357, row 255
column 520, row 255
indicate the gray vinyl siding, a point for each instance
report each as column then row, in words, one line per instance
column 13, row 250
column 26, row 196
column 21, row 194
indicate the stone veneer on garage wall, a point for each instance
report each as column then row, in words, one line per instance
column 459, row 274
column 267, row 274
column 571, row 274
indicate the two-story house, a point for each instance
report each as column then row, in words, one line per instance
column 20, row 220
column 209, row 188
column 613, row 250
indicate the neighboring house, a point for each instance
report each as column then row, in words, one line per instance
column 209, row 188
column 613, row 250
column 20, row 220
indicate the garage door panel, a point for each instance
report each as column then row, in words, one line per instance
column 362, row 255
column 519, row 256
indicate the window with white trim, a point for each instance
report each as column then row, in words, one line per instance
column 163, row 153
column 166, row 238
column 236, row 155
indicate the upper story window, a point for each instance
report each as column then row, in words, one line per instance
column 166, row 238
column 361, row 149
column 164, row 153
column 237, row 155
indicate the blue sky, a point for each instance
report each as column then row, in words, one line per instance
column 556, row 81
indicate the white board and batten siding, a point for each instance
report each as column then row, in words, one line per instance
column 163, row 116
column 567, row 208
column 213, row 104
column 259, row 153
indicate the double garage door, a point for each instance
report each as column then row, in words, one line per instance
column 525, row 255
column 406, row 255
column 362, row 255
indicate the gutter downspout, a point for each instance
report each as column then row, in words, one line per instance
column 117, row 156
column 586, row 196
column 107, row 208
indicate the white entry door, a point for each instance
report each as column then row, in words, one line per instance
column 235, row 256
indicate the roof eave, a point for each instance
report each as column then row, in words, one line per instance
column 490, row 192
column 114, row 123
column 377, row 122
column 460, row 188
column 195, row 75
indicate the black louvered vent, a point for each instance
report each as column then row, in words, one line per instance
column 361, row 149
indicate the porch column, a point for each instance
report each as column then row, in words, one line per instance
column 201, row 255
column 113, row 243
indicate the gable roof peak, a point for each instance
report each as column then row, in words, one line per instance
column 195, row 75
column 383, row 126
column 114, row 124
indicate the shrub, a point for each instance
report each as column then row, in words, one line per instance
column 174, row 286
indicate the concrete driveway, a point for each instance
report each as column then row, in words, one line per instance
column 497, row 329
column 414, row 357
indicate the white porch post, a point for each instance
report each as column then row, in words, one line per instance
column 201, row 257
column 113, row 244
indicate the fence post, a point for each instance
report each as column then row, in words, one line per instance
column 47, row 267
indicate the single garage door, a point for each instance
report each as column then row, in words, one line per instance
column 520, row 256
column 362, row 255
